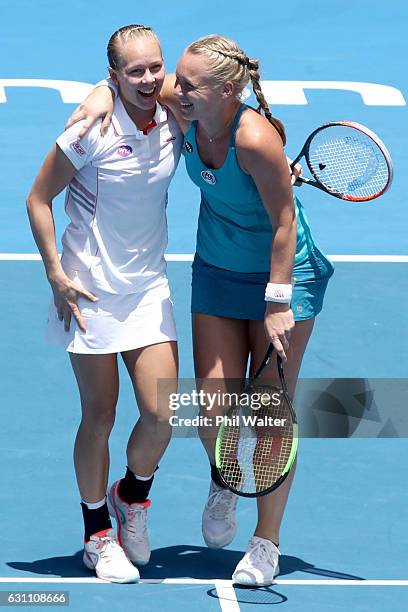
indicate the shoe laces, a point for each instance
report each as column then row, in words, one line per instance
column 261, row 552
column 110, row 548
column 136, row 522
column 220, row 503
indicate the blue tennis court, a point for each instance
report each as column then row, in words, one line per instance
column 344, row 543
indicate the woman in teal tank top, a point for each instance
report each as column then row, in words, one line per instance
column 258, row 277
column 253, row 242
column 234, row 239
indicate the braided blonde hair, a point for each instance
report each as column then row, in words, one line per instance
column 229, row 63
column 122, row 36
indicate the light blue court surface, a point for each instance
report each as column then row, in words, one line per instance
column 344, row 540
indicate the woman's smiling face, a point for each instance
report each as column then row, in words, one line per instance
column 140, row 72
column 197, row 92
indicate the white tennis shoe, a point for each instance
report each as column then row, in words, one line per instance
column 132, row 525
column 259, row 565
column 219, row 522
column 104, row 554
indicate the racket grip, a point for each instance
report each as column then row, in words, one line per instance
column 303, row 179
column 265, row 361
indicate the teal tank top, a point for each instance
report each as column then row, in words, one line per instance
column 234, row 231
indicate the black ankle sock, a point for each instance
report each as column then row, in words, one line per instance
column 132, row 490
column 95, row 520
column 216, row 477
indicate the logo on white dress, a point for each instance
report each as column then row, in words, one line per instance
column 77, row 148
column 208, row 177
column 125, row 150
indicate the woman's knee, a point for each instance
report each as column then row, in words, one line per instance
column 99, row 412
column 155, row 418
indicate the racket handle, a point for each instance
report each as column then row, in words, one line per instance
column 282, row 376
column 307, row 181
column 266, row 360
column 265, row 363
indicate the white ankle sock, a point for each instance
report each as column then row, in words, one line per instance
column 94, row 505
column 144, row 478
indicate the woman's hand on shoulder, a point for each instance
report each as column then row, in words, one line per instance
column 97, row 105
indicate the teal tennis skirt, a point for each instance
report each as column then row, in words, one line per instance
column 241, row 295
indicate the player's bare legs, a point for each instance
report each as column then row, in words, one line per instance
column 151, row 434
column 271, row 507
column 98, row 383
column 220, row 356
column 128, row 498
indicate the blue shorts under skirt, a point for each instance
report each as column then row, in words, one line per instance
column 241, row 295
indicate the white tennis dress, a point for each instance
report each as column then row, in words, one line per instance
column 114, row 245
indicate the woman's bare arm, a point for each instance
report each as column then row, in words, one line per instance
column 54, row 175
column 168, row 98
column 99, row 105
column 260, row 154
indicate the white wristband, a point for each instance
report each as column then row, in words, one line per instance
column 275, row 292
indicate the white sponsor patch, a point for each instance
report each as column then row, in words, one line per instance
column 208, row 177
column 75, row 146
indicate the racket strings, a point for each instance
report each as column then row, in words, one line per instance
column 347, row 161
column 255, row 453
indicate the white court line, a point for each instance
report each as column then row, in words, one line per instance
column 220, row 584
column 226, row 596
column 190, row 257
column 369, row 258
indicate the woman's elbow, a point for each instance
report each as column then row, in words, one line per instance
column 33, row 202
column 30, row 203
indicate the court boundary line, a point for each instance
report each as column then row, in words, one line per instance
column 190, row 256
column 227, row 598
column 227, row 584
